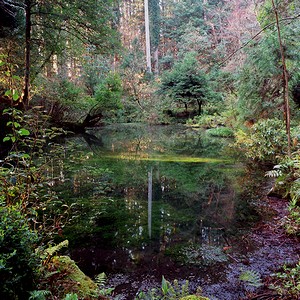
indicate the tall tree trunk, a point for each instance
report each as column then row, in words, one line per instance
column 147, row 32
column 286, row 83
column 199, row 107
column 25, row 99
column 155, row 59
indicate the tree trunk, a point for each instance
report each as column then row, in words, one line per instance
column 199, row 107
column 155, row 58
column 25, row 99
column 286, row 84
column 147, row 32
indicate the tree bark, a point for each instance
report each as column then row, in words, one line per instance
column 147, row 32
column 155, row 58
column 286, row 83
column 25, row 99
column 199, row 107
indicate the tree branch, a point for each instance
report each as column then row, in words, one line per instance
column 255, row 36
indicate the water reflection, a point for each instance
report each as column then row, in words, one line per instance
column 142, row 194
column 150, row 203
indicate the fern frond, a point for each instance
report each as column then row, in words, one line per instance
column 100, row 279
column 273, row 173
column 251, row 278
column 71, row 296
column 54, row 249
column 39, row 295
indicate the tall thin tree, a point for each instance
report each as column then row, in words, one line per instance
column 286, row 81
column 147, row 32
column 28, row 5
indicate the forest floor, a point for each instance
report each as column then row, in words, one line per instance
column 263, row 251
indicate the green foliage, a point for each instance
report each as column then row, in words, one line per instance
column 171, row 291
column 39, row 295
column 186, row 83
column 265, row 141
column 207, row 121
column 64, row 280
column 18, row 260
column 202, row 255
column 108, row 93
column 17, row 131
column 71, row 296
column 291, row 222
column 251, row 278
column 287, row 174
column 95, row 67
column 100, row 280
column 154, row 14
column 287, row 282
column 65, row 100
column 221, row 132
column 10, row 83
column 185, row 13
column 51, row 251
column 194, row 297
column 261, row 84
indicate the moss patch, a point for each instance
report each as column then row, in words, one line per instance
column 78, row 282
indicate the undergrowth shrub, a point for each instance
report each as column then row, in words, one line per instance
column 171, row 291
column 287, row 184
column 18, row 260
column 207, row 121
column 287, row 282
column 291, row 222
column 265, row 141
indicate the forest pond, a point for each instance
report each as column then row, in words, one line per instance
column 149, row 202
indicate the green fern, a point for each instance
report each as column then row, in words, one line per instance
column 251, row 278
column 39, row 295
column 71, row 296
column 100, row 280
column 168, row 291
column 273, row 173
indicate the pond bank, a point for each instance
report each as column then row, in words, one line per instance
column 263, row 251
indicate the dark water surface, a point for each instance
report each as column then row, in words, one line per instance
column 149, row 202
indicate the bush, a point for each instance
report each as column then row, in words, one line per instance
column 108, row 93
column 18, row 261
column 207, row 121
column 221, row 132
column 287, row 282
column 266, row 141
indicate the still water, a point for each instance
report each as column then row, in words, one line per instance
column 150, row 201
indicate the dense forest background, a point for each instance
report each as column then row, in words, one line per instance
column 230, row 66
column 76, row 59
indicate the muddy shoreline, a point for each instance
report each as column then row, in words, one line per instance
column 263, row 249
column 267, row 247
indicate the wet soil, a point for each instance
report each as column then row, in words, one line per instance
column 262, row 250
